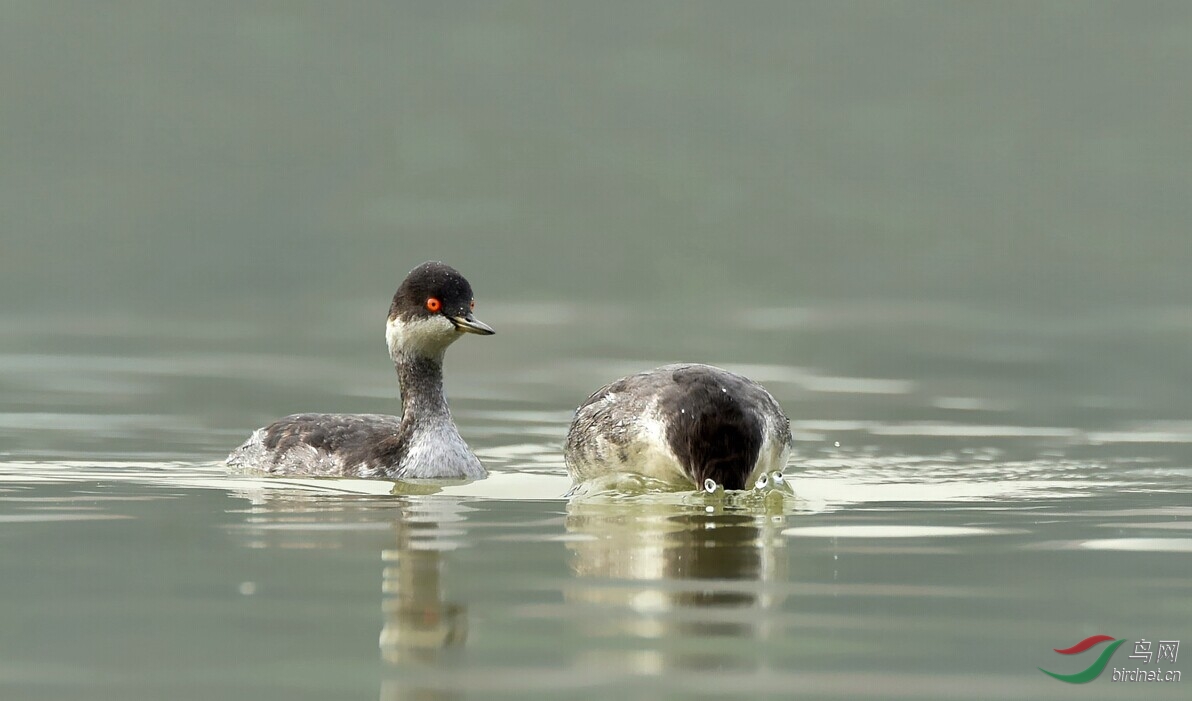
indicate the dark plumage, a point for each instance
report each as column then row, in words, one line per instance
column 432, row 279
column 357, row 439
column 718, row 438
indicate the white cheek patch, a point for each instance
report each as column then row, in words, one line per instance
column 429, row 336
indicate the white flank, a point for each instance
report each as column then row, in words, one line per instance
column 650, row 454
column 772, row 456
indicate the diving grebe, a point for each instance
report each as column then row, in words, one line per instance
column 431, row 309
column 680, row 423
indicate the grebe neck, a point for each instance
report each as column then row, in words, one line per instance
column 420, row 379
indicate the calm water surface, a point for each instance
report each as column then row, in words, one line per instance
column 972, row 491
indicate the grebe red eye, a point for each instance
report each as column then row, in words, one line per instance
column 433, row 304
column 472, row 304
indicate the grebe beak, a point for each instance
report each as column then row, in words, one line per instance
column 470, row 324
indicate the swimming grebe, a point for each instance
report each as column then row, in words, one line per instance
column 431, row 309
column 680, row 423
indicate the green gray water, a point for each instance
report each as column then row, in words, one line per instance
column 952, row 240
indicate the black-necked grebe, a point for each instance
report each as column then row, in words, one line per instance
column 432, row 308
column 680, row 423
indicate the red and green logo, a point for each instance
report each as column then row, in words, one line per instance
column 1094, row 670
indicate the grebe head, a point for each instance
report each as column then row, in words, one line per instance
column 432, row 308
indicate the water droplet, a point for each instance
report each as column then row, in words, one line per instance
column 837, row 444
column 723, row 389
column 248, row 588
